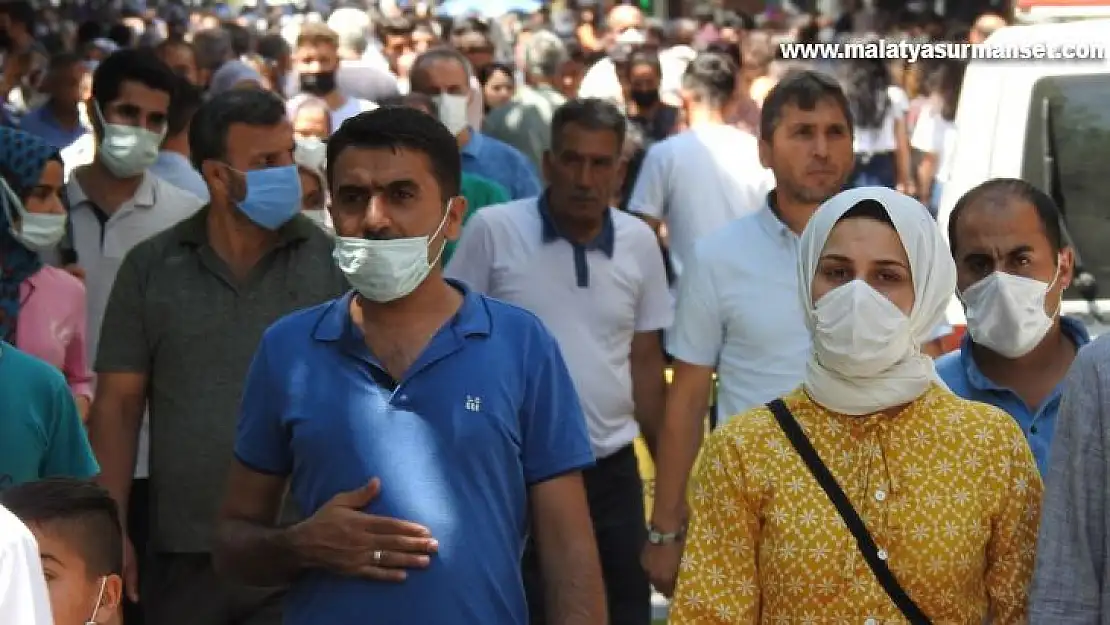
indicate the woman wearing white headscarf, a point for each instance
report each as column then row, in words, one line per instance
column 946, row 491
column 310, row 156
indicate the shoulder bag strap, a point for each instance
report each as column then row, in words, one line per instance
column 851, row 518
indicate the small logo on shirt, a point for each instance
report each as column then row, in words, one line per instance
column 473, row 404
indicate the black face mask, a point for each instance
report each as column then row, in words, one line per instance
column 318, row 84
column 645, row 98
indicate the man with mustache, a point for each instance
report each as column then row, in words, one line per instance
column 594, row 275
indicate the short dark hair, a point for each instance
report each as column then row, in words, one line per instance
column 131, row 65
column 397, row 27
column 803, row 89
column 729, row 49
column 273, row 47
column 208, row 132
column 242, row 40
column 402, row 127
column 83, row 514
column 712, row 77
column 186, row 101
column 122, row 35
column 1004, row 190
column 590, row 113
column 63, row 61
column 438, row 54
column 644, row 57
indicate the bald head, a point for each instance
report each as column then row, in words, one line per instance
column 624, row 17
column 984, row 26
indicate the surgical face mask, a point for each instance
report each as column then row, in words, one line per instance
column 452, row 112
column 127, row 151
column 37, row 232
column 99, row 599
column 273, row 195
column 859, row 332
column 1006, row 313
column 384, row 270
column 319, row 216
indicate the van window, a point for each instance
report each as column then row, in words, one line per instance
column 1067, row 142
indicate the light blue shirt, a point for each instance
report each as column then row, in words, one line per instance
column 176, row 169
column 42, row 123
column 491, row 159
column 41, row 434
column 960, row 372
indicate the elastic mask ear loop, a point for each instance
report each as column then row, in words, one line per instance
column 439, row 230
column 99, row 599
column 13, row 206
column 1055, row 277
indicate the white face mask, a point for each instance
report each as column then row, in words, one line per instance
column 37, row 232
column 1005, row 313
column 127, row 151
column 99, row 599
column 383, row 270
column 859, row 332
column 452, row 111
column 319, row 216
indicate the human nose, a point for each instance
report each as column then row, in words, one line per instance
column 377, row 216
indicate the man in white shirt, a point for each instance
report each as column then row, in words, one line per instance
column 602, row 80
column 23, row 596
column 316, row 63
column 701, row 179
column 595, row 277
column 738, row 311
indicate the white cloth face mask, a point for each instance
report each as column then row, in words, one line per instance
column 1006, row 313
column 37, row 232
column 452, row 112
column 384, row 270
column 319, row 216
column 859, row 332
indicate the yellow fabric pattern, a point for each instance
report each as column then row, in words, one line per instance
column 948, row 488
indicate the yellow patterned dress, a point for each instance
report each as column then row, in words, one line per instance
column 947, row 487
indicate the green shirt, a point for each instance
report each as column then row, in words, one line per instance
column 479, row 193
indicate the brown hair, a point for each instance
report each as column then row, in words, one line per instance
column 313, row 34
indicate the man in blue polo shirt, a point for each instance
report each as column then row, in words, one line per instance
column 424, row 429
column 1013, row 269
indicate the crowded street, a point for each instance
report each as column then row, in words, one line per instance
column 585, row 312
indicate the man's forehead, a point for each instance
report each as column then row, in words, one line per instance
column 380, row 166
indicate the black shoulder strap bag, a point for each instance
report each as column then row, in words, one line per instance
column 851, row 518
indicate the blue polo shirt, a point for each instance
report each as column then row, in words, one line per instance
column 42, row 123
column 502, row 163
column 963, row 376
column 41, row 434
column 486, row 411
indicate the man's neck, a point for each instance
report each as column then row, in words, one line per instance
column 704, row 116
column 464, row 137
column 335, row 100
column 67, row 115
column 177, row 145
column 428, row 305
column 236, row 240
column 104, row 189
column 792, row 212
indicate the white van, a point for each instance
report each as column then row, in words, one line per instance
column 1046, row 122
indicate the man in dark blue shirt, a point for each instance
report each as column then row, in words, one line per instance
column 423, row 428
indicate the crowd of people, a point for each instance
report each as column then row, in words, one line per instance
column 360, row 319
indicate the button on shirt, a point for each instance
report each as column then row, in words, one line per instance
column 486, row 411
column 739, row 311
column 491, row 159
column 963, row 376
column 178, row 315
column 595, row 298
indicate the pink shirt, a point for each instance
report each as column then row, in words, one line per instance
column 52, row 325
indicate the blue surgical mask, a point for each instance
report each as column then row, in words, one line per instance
column 273, row 195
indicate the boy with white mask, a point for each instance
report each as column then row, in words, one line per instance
column 77, row 527
column 1013, row 269
column 444, row 74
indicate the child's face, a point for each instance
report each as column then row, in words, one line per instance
column 73, row 591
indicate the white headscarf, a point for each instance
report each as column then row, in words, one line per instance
column 311, row 155
column 934, row 282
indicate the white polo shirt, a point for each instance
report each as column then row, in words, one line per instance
column 23, row 596
column 739, row 311
column 101, row 246
column 698, row 181
column 593, row 299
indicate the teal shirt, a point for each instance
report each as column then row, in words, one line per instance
column 41, row 434
column 479, row 193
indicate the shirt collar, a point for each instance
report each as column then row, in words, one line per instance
column 173, row 159
column 1072, row 328
column 472, row 319
column 146, row 196
column 604, row 241
column 194, row 231
column 769, row 219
